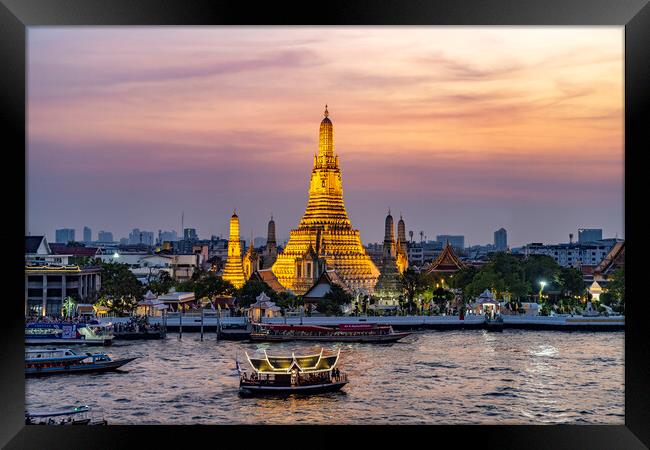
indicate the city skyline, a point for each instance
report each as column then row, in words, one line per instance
column 140, row 125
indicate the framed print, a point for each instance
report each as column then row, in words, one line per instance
column 329, row 222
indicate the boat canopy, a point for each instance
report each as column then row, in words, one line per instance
column 315, row 328
column 285, row 364
column 360, row 326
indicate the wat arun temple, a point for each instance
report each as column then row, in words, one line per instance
column 325, row 239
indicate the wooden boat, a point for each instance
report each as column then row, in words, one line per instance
column 67, row 333
column 81, row 415
column 55, row 361
column 368, row 333
column 286, row 375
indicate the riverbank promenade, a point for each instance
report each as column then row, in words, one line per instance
column 192, row 322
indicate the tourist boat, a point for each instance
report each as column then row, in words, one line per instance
column 81, row 415
column 284, row 375
column 47, row 333
column 63, row 360
column 368, row 333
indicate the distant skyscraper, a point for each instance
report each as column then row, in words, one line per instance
column 589, row 235
column 457, row 242
column 140, row 237
column 88, row 235
column 501, row 239
column 64, row 235
column 190, row 233
column 168, row 236
column 105, row 236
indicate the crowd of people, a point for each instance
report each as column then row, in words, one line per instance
column 136, row 324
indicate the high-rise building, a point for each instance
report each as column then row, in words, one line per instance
column 138, row 236
column 105, row 236
column 234, row 270
column 501, row 240
column 88, row 235
column 589, row 235
column 167, row 236
column 64, row 235
column 190, row 233
column 325, row 238
column 457, row 242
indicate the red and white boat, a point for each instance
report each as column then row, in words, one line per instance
column 370, row 333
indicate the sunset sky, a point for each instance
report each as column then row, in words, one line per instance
column 462, row 130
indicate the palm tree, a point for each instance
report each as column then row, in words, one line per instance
column 68, row 306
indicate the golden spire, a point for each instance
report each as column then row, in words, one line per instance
column 325, row 220
column 326, row 140
column 233, row 270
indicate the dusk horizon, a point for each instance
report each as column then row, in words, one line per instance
column 461, row 133
column 440, row 214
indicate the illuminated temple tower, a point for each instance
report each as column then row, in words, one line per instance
column 402, row 248
column 387, row 288
column 270, row 253
column 233, row 270
column 325, row 238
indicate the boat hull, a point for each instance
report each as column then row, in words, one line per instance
column 377, row 339
column 78, row 368
column 57, row 341
column 266, row 390
column 132, row 336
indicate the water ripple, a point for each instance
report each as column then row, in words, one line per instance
column 453, row 377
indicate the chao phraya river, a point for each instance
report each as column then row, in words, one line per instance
column 448, row 377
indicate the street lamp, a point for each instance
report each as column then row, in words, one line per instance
column 541, row 288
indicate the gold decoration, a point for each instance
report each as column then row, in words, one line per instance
column 325, row 238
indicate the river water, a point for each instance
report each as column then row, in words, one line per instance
column 430, row 377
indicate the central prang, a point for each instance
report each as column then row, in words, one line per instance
column 325, row 239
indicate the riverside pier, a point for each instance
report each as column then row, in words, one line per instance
column 193, row 322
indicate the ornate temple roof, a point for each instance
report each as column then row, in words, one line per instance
column 614, row 259
column 322, row 285
column 267, row 276
column 447, row 261
column 284, row 364
column 325, row 231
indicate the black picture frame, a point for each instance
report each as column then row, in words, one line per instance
column 634, row 15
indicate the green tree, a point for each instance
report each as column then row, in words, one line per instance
column 412, row 284
column 615, row 294
column 540, row 268
column 287, row 300
column 441, row 296
column 569, row 281
column 503, row 274
column 247, row 294
column 463, row 277
column 332, row 302
column 210, row 286
column 161, row 283
column 120, row 289
column 69, row 306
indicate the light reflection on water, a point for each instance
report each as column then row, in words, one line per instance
column 449, row 377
